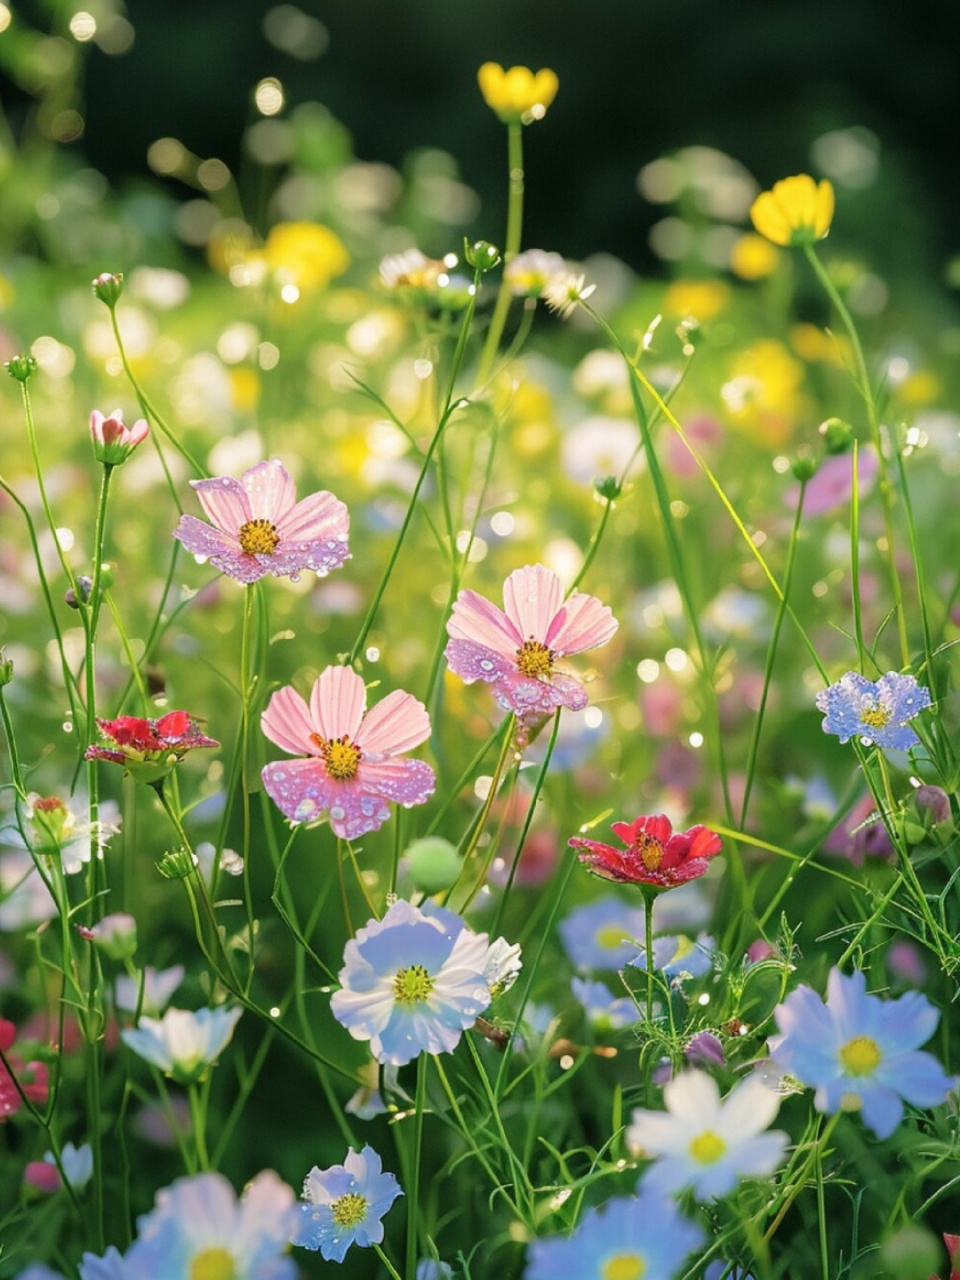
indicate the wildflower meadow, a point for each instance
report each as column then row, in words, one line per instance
column 479, row 765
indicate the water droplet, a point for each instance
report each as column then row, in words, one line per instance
column 294, row 577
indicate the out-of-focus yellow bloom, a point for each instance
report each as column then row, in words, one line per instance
column 920, row 387
column 764, row 395
column 306, row 255
column 813, row 344
column 244, row 388
column 798, row 211
column 702, row 299
column 517, row 96
column 6, row 293
column 752, row 257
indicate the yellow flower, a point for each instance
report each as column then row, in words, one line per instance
column 517, row 96
column 752, row 257
column 798, row 211
column 702, row 299
column 306, row 255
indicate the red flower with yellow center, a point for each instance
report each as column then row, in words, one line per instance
column 654, row 854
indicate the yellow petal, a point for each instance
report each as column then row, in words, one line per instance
column 491, row 77
column 769, row 219
column 824, row 208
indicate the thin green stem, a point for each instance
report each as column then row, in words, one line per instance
column 413, row 1175
column 391, row 1269
column 514, row 236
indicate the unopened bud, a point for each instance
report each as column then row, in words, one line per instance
column 481, row 255
column 6, row 670
column 608, row 487
column 108, row 288
column 82, row 594
column 21, row 367
column 837, row 435
column 804, row 468
column 434, row 864
column 116, row 935
column 177, row 864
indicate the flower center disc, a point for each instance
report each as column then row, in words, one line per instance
column 707, row 1147
column 340, row 755
column 625, row 1266
column 350, row 1210
column 650, row 851
column 860, row 1056
column 412, row 985
column 212, row 1264
column 534, row 659
column 876, row 716
column 259, row 537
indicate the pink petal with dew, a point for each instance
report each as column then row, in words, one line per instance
column 582, row 623
column 270, row 490
column 530, row 698
column 532, row 596
column 356, row 811
column 314, row 518
column 286, row 721
column 477, row 620
column 405, row 782
column 398, row 723
column 301, row 789
column 222, row 550
column 292, row 557
column 475, row 662
column 337, row 703
column 224, row 502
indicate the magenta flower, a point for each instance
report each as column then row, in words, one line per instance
column 517, row 651
column 112, row 441
column 257, row 526
column 351, row 767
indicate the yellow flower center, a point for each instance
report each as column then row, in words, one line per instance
column 534, row 659
column 412, row 985
column 212, row 1264
column 861, row 1056
column 350, row 1210
column 650, row 851
column 259, row 537
column 707, row 1147
column 625, row 1266
column 340, row 755
column 610, row 937
column 876, row 716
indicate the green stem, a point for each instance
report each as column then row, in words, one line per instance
column 648, row 900
column 413, row 1177
column 512, row 242
column 15, row 770
column 391, row 1269
column 198, row 1120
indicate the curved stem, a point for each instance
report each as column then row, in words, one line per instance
column 510, row 250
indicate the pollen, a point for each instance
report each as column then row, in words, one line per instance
column 650, row 851
column 412, row 985
column 860, row 1056
column 212, row 1264
column 624, row 1266
column 259, row 537
column 350, row 1210
column 707, row 1147
column 340, row 755
column 535, row 659
column 876, row 716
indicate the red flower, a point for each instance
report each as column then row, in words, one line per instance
column 654, row 855
column 953, row 1249
column 149, row 748
column 35, row 1088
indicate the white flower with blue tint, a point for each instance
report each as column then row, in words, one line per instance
column 158, row 986
column 679, row 957
column 877, row 713
column 344, row 1205
column 183, row 1044
column 412, row 982
column 640, row 1236
column 705, row 1143
column 112, row 1266
column 602, row 934
column 859, row 1052
column 603, row 1010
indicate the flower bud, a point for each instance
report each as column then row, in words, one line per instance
column 911, row 1253
column 481, row 255
column 6, row 670
column 112, row 441
column 434, row 864
column 704, row 1049
column 837, row 435
column 115, row 935
column 608, row 487
column 108, row 288
column 933, row 803
column 176, row 864
column 804, row 468
column 21, row 367
column 50, row 819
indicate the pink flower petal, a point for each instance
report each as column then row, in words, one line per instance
column 318, row 517
column 286, row 721
column 477, row 620
column 301, row 789
column 532, row 597
column 224, row 503
column 582, row 623
column 270, row 491
column 476, row 662
column 530, row 698
column 398, row 723
column 222, row 550
column 337, row 703
column 404, row 782
column 319, row 557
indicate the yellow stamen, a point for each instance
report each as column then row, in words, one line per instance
column 350, row 1210
column 650, row 851
column 625, row 1266
column 876, row 716
column 259, row 537
column 861, row 1056
column 340, row 755
column 412, row 985
column 212, row 1264
column 535, row 659
column 707, row 1147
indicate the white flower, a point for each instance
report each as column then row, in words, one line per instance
column 77, row 1163
column 183, row 1044
column 564, row 291
column 502, row 966
column 705, row 1143
column 158, row 986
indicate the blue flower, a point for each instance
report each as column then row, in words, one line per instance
column 642, row 1235
column 600, row 935
column 860, row 1052
column 110, row 1267
column 412, row 982
column 345, row 1204
column 876, row 713
column 678, row 956
column 604, row 1011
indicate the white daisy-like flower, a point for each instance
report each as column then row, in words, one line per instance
column 563, row 293
column 183, row 1044
column 705, row 1143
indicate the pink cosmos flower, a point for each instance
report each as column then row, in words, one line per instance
column 35, row 1088
column 517, row 650
column 654, row 854
column 257, row 526
column 112, row 441
column 351, row 767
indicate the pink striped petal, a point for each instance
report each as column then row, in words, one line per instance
column 531, row 699
column 292, row 557
column 396, row 724
column 582, row 623
column 357, row 810
column 337, row 703
column 406, row 782
column 476, row 662
column 286, row 721
column 531, row 597
column 270, row 490
column 477, row 620
column 300, row 789
column 222, row 550
column 317, row 517
column 224, row 502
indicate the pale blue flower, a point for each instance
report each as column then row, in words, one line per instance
column 183, row 1044
column 678, row 956
column 344, row 1205
column 602, row 934
column 412, row 982
column 877, row 713
column 430, row 1269
column 603, row 1010
column 719, row 1270
column 110, row 1267
column 37, row 1271
column 860, row 1052
column 77, row 1163
column 646, row 1231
